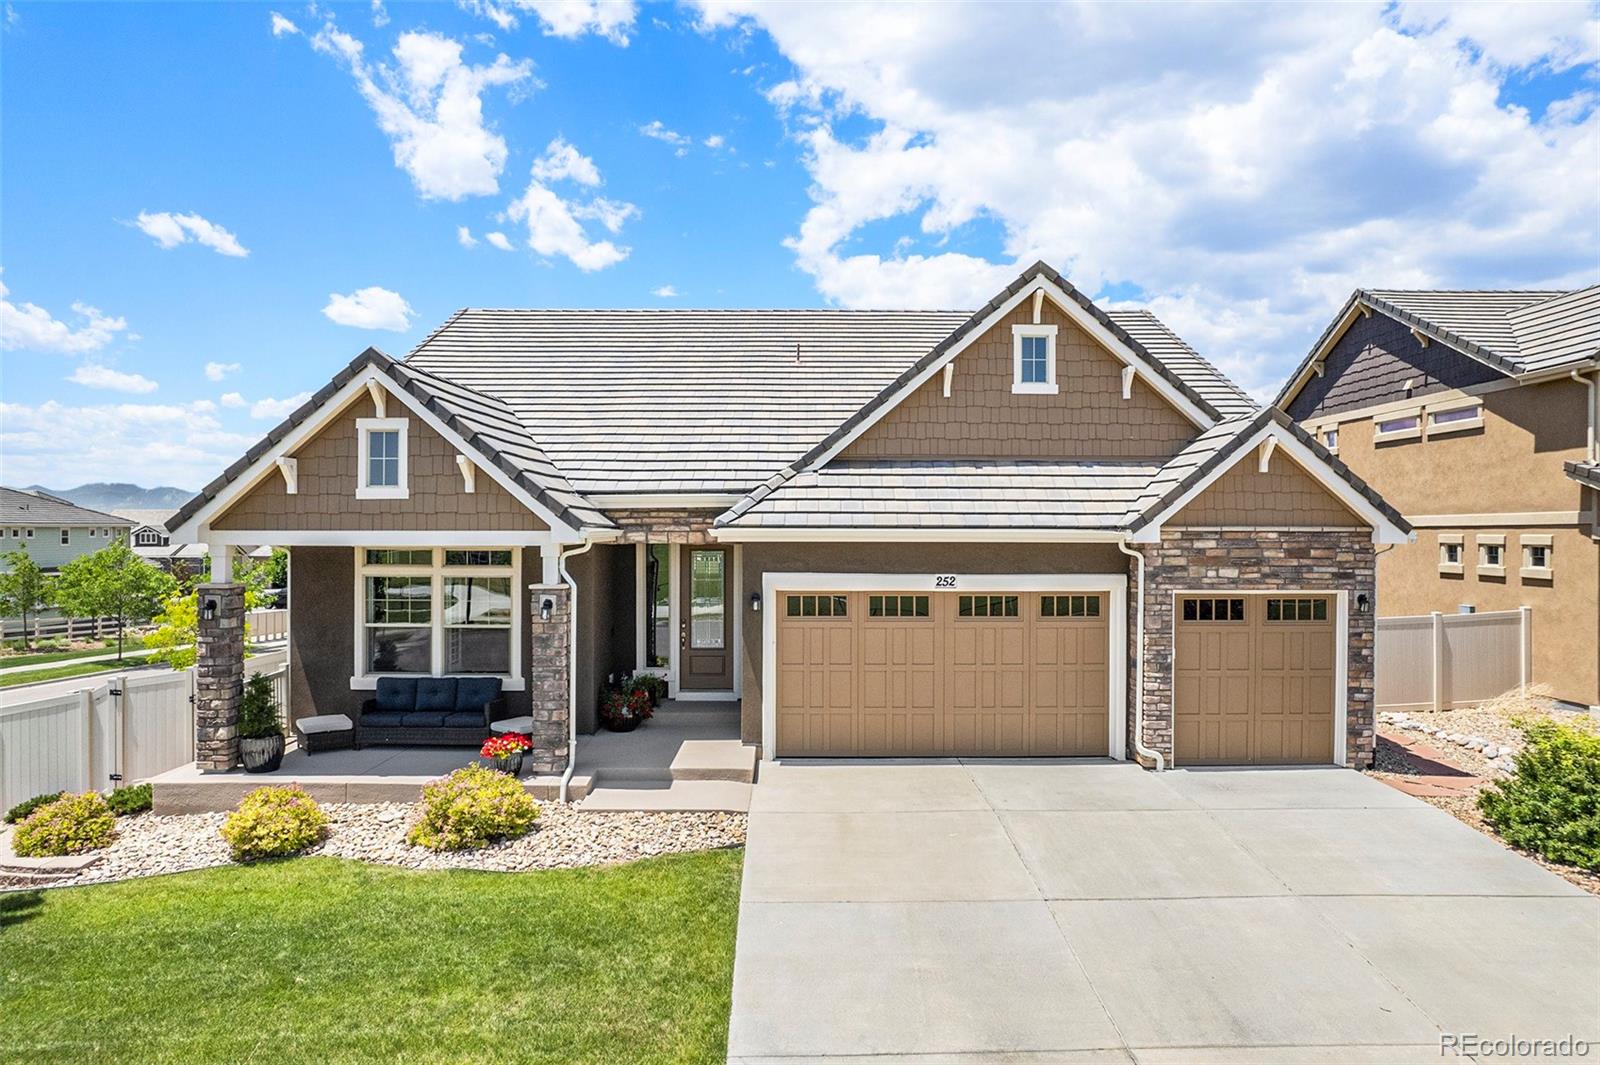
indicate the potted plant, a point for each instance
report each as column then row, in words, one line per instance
column 623, row 709
column 504, row 753
column 260, row 730
column 653, row 686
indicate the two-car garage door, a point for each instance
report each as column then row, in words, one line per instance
column 943, row 673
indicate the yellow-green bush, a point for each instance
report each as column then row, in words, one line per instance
column 471, row 807
column 274, row 823
column 70, row 825
column 1551, row 804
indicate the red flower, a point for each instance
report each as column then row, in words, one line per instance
column 504, row 746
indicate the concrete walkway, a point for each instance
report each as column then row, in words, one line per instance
column 1091, row 911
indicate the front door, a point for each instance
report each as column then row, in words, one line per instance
column 705, row 637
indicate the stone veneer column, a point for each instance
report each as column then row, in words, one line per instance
column 219, row 678
column 548, row 670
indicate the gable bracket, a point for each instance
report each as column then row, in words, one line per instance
column 1128, row 374
column 380, row 398
column 1038, row 305
column 290, row 468
column 469, row 474
column 1264, row 454
column 1420, row 337
column 949, row 372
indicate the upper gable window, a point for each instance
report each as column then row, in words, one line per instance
column 1033, row 359
column 383, row 473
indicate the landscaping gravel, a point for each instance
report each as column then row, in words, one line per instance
column 1482, row 739
column 566, row 837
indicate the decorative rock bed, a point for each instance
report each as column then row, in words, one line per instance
column 566, row 837
column 1494, row 753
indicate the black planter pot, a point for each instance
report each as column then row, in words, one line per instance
column 621, row 724
column 262, row 755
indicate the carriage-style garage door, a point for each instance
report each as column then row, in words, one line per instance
column 945, row 673
column 1253, row 680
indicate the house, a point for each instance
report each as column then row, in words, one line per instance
column 1475, row 414
column 1040, row 528
column 151, row 541
column 52, row 530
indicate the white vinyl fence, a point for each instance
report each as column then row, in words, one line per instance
column 124, row 730
column 267, row 625
column 1449, row 661
column 54, row 625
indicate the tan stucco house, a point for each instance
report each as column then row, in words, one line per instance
column 1475, row 414
column 1041, row 528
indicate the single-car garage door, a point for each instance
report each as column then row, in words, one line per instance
column 1253, row 680
column 945, row 673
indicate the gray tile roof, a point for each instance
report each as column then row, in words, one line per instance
column 36, row 508
column 1585, row 473
column 484, row 422
column 715, row 401
column 946, row 495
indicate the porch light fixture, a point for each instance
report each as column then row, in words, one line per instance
column 1363, row 604
column 209, row 610
column 755, row 602
column 546, row 608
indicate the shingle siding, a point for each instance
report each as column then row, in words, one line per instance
column 1373, row 361
column 1286, row 496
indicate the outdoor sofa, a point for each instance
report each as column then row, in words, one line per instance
column 431, row 711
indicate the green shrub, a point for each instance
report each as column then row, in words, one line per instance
column 70, row 825
column 258, row 710
column 1551, row 805
column 27, row 806
column 127, row 801
column 274, row 823
column 471, row 807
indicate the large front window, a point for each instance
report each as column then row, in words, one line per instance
column 438, row 611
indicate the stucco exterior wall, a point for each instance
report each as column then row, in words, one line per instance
column 1253, row 561
column 326, row 489
column 1285, row 496
column 983, row 419
column 758, row 559
column 606, row 622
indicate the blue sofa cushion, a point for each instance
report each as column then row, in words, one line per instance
column 382, row 719
column 422, row 719
column 436, row 693
column 474, row 693
column 466, row 719
column 397, row 693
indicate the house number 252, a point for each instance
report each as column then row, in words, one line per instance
column 944, row 580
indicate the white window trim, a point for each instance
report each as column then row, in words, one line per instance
column 66, row 537
column 364, row 428
column 1438, row 429
column 30, row 533
column 1529, row 541
column 1445, row 565
column 1379, row 436
column 1048, row 387
column 1485, row 567
column 362, row 680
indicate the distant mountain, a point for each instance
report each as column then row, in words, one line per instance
column 117, row 497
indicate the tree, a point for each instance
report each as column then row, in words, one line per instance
column 112, row 582
column 179, row 620
column 24, row 589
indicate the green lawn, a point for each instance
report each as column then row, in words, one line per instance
column 15, row 656
column 65, row 670
column 318, row 959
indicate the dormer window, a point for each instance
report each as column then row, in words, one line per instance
column 383, row 473
column 1033, row 359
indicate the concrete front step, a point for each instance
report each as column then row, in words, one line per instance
column 680, row 796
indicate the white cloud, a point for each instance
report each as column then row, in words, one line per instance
column 216, row 371
column 715, row 141
column 233, row 399
column 282, row 27
column 278, row 408
column 162, row 443
column 611, row 19
column 29, row 327
column 1244, row 166
column 561, row 160
column 170, row 230
column 380, row 16
column 370, row 308
column 430, row 104
column 465, row 238
column 91, row 376
column 499, row 240
column 655, row 129
column 609, row 213
column 665, row 292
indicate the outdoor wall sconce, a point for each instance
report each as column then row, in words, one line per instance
column 209, row 610
column 755, row 602
column 546, row 608
column 1363, row 604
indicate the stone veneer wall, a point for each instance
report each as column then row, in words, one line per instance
column 1200, row 560
column 665, row 526
column 549, row 667
column 219, row 678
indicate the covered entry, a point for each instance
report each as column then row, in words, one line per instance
column 889, row 673
column 1254, row 678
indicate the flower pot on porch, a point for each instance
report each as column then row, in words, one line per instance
column 261, row 754
column 621, row 724
column 511, row 764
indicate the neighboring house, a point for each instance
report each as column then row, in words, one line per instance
column 151, row 541
column 1475, row 414
column 52, row 530
column 882, row 532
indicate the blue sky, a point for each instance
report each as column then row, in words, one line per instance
column 268, row 189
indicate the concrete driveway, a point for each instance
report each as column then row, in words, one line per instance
column 1091, row 911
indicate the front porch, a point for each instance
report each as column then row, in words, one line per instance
column 688, row 757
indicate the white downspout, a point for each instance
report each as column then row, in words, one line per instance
column 1138, row 665
column 572, row 662
column 1592, row 451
